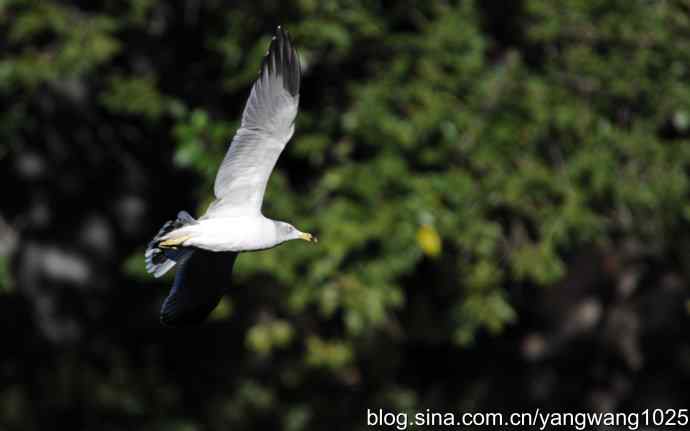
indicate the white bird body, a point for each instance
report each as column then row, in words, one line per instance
column 240, row 233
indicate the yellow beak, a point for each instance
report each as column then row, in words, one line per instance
column 308, row 237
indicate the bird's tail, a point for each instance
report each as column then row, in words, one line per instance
column 159, row 260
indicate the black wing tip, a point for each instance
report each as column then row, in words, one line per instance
column 283, row 57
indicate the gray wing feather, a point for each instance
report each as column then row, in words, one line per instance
column 200, row 281
column 267, row 126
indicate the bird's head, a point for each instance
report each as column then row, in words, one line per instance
column 286, row 232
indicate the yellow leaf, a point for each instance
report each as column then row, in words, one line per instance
column 429, row 240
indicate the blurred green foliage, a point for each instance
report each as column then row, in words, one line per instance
column 4, row 275
column 439, row 135
column 426, row 143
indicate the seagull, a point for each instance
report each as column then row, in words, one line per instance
column 233, row 222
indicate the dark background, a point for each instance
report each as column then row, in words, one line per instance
column 500, row 190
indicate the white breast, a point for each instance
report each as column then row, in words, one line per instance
column 233, row 234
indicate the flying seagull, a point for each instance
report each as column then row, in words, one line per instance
column 233, row 222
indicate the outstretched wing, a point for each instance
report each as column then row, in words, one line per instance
column 200, row 281
column 267, row 126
